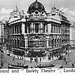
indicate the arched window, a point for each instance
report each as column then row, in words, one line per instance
column 55, row 43
column 52, row 42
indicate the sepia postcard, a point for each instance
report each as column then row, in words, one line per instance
column 37, row 36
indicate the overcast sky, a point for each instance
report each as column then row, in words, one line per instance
column 68, row 6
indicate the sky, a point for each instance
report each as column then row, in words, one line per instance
column 67, row 6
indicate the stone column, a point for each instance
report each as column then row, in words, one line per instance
column 47, row 38
column 49, row 28
column 45, row 28
column 23, row 28
column 41, row 27
column 14, row 29
column 34, row 28
column 26, row 41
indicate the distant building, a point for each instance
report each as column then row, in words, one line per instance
column 72, row 34
column 16, row 29
column 5, row 31
column 1, row 32
column 39, row 31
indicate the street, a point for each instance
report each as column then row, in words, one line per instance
column 44, row 61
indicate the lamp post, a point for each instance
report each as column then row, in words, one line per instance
column 1, row 57
column 40, row 60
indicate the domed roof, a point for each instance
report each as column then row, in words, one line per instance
column 36, row 6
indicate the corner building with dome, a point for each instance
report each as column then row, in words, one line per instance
column 39, row 33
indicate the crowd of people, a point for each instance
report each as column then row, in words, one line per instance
column 50, row 56
column 60, row 56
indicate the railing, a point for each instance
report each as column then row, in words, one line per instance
column 37, row 17
column 72, row 43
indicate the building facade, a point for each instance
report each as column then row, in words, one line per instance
column 38, row 31
column 16, row 29
column 72, row 34
column 1, row 32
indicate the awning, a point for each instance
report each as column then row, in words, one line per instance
column 53, row 49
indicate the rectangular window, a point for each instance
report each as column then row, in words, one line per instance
column 20, row 29
column 52, row 29
column 50, row 43
column 36, row 28
column 29, row 28
column 59, row 29
column 25, row 28
column 55, row 29
column 44, row 29
column 15, row 29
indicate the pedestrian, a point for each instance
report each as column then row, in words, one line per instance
column 24, row 61
column 1, row 64
column 31, row 67
column 36, row 59
column 22, row 57
column 72, row 65
column 20, row 64
column 17, row 57
column 13, row 58
column 52, row 57
column 40, row 59
column 66, row 53
column 9, row 64
column 64, row 59
column 66, row 62
column 57, row 55
column 31, row 60
column 49, row 58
